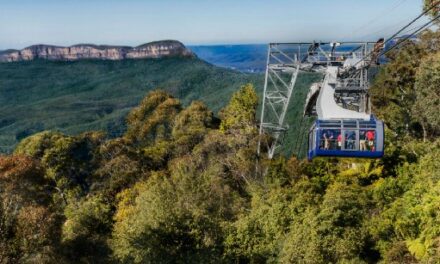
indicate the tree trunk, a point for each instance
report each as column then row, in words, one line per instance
column 425, row 134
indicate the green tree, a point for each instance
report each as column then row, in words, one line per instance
column 240, row 113
column 37, row 235
column 25, row 199
column 190, row 127
column 70, row 163
column 37, row 144
column 86, row 230
column 408, row 226
column 332, row 232
column 257, row 236
column 152, row 120
column 393, row 90
column 120, row 166
column 393, row 93
column 428, row 4
column 177, row 218
column 427, row 91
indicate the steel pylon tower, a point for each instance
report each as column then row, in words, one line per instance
column 281, row 74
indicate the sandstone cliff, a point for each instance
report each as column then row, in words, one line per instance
column 157, row 49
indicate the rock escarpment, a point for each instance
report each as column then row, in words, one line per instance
column 157, row 49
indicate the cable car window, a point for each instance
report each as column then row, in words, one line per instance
column 350, row 140
column 330, row 139
column 323, row 139
column 367, row 140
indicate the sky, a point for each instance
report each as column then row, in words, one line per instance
column 198, row 22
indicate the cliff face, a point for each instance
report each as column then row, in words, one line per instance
column 158, row 49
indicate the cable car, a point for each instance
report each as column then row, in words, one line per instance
column 347, row 138
column 344, row 126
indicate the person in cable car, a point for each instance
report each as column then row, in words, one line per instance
column 378, row 48
column 362, row 141
column 327, row 136
column 370, row 137
column 350, row 140
column 340, row 141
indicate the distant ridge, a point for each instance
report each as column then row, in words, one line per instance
column 156, row 49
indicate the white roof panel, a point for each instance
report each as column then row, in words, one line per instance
column 326, row 106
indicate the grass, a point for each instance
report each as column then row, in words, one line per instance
column 73, row 97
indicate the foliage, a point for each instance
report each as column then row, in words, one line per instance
column 37, row 144
column 427, row 92
column 428, row 4
column 151, row 121
column 79, row 96
column 120, row 166
column 190, row 127
column 190, row 189
column 175, row 219
column 69, row 163
column 411, row 220
column 331, row 233
column 85, row 230
column 241, row 111
column 256, row 235
column 37, row 233
column 28, row 226
column 394, row 92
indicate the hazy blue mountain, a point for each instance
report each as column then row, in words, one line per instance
column 245, row 58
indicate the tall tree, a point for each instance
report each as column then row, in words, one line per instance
column 191, row 125
column 240, row 113
column 152, row 120
column 427, row 91
column 428, row 4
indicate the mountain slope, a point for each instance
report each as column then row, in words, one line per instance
column 73, row 97
column 87, row 95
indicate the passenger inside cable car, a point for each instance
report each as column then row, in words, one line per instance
column 346, row 138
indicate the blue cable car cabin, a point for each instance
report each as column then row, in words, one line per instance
column 347, row 138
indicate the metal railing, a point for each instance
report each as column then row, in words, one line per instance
column 352, row 83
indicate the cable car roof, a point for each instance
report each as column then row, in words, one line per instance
column 326, row 106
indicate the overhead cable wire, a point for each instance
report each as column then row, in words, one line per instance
column 414, row 20
column 402, row 29
column 295, row 146
column 413, row 28
column 426, row 25
column 380, row 15
column 388, row 28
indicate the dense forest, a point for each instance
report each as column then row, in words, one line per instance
column 73, row 97
column 78, row 96
column 182, row 185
